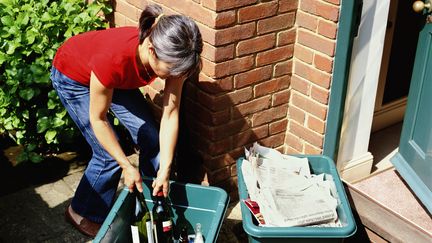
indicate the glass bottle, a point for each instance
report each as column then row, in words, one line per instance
column 162, row 220
column 183, row 238
column 142, row 219
column 198, row 234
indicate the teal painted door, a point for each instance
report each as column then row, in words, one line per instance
column 414, row 158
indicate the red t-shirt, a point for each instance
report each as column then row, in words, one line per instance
column 110, row 54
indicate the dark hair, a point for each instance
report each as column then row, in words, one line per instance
column 176, row 40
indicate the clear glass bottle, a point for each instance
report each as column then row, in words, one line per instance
column 198, row 234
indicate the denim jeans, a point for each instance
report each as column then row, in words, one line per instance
column 95, row 193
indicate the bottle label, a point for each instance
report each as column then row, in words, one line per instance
column 135, row 234
column 166, row 225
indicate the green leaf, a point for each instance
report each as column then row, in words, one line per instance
column 57, row 122
column 50, row 135
column 27, row 94
column 7, row 20
column 35, row 158
column 43, row 124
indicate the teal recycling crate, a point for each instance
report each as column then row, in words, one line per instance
column 195, row 203
column 318, row 164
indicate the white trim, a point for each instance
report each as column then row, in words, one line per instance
column 358, row 169
column 362, row 89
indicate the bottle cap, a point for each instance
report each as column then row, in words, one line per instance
column 160, row 194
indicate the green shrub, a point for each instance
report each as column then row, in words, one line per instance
column 30, row 33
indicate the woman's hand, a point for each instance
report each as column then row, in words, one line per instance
column 132, row 178
column 161, row 182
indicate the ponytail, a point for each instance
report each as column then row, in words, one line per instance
column 147, row 19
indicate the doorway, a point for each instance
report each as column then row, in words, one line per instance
column 400, row 43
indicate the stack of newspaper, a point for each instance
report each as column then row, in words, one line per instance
column 283, row 192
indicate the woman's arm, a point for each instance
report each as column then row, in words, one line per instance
column 168, row 132
column 100, row 101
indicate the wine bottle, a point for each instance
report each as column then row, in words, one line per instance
column 198, row 234
column 142, row 219
column 162, row 220
column 183, row 238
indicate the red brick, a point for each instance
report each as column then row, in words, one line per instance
column 273, row 141
column 269, row 115
column 227, row 68
column 294, row 142
column 257, row 44
column 219, row 5
column 328, row 11
column 219, row 175
column 251, row 107
column 316, row 42
column 225, row 19
column 215, row 86
column 282, row 68
column 323, row 63
column 119, row 19
column 336, row 2
column 281, row 97
column 327, row 29
column 315, row 124
column 208, row 34
column 258, row 11
column 205, row 116
column 221, row 53
column 230, row 128
column 271, row 86
column 303, row 53
column 287, row 5
column 319, row 94
column 274, row 55
column 306, row 134
column 137, row 3
column 127, row 10
column 250, row 136
column 251, row 77
column 278, row 126
column 314, row 75
column 300, row 85
column 193, row 10
column 291, row 150
column 308, row 6
column 309, row 106
column 296, row 114
column 217, row 103
column 286, row 37
column 307, row 21
column 310, row 149
column 227, row 159
column 233, row 169
column 278, row 22
column 219, row 147
column 235, row 33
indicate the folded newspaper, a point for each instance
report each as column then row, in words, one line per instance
column 285, row 191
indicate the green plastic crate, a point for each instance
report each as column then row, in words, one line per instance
column 198, row 204
column 318, row 164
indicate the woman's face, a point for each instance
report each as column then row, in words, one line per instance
column 160, row 68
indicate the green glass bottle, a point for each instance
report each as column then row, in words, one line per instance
column 142, row 219
column 162, row 220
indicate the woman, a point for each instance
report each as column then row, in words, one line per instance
column 102, row 70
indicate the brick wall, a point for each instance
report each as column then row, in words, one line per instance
column 265, row 78
column 314, row 51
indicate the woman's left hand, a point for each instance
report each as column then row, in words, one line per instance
column 161, row 183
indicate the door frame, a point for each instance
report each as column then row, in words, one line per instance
column 350, row 121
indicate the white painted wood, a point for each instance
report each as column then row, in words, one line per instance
column 363, row 82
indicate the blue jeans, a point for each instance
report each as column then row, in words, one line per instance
column 95, row 193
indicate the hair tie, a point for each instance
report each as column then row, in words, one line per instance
column 158, row 18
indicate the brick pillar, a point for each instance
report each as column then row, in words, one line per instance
column 250, row 76
column 312, row 73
